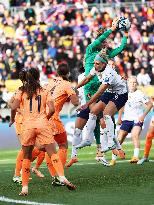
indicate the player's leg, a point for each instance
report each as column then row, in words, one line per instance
column 123, row 132
column 45, row 138
column 18, row 167
column 148, row 144
column 27, row 157
column 80, row 123
column 136, row 141
column 39, row 161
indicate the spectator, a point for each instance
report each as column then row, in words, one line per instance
column 143, row 78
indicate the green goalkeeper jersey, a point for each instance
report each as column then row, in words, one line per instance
column 91, row 51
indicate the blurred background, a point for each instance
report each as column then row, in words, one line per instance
column 45, row 33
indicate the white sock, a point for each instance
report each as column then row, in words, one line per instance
column 77, row 138
column 114, row 157
column 110, row 130
column 103, row 139
column 86, row 136
column 90, row 126
column 136, row 152
column 118, row 145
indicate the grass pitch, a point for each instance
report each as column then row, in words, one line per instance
column 123, row 184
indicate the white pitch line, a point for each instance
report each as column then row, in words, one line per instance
column 5, row 199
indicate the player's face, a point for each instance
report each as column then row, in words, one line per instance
column 99, row 66
column 132, row 85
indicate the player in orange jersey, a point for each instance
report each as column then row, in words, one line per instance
column 36, row 127
column 148, row 142
column 36, row 152
column 61, row 91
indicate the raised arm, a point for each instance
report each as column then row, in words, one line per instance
column 116, row 51
column 84, row 81
column 51, row 107
column 104, row 36
column 149, row 105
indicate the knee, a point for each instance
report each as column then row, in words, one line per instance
column 94, row 111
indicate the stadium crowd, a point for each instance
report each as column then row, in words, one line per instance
column 45, row 36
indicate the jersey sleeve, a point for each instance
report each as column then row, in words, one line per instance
column 69, row 90
column 99, row 40
column 93, row 71
column 116, row 51
column 144, row 98
column 49, row 97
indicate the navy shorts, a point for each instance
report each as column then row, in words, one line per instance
column 128, row 125
column 118, row 99
column 84, row 113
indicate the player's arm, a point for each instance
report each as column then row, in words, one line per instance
column 119, row 122
column 74, row 100
column 100, row 91
column 51, row 107
column 149, row 105
column 104, row 36
column 12, row 118
column 116, row 51
column 84, row 81
column 15, row 104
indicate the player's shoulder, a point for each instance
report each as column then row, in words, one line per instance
column 139, row 93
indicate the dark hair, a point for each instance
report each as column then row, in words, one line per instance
column 30, row 80
column 81, row 69
column 63, row 71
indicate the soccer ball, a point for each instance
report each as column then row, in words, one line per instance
column 123, row 24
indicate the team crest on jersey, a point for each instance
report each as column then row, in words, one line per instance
column 106, row 80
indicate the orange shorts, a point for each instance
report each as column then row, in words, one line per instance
column 61, row 138
column 41, row 136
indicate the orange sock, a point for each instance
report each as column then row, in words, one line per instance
column 19, row 161
column 62, row 153
column 35, row 153
column 57, row 164
column 50, row 166
column 25, row 172
column 40, row 159
column 148, row 143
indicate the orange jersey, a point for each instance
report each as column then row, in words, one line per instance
column 60, row 90
column 34, row 110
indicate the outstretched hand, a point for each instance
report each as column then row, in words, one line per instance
column 114, row 23
column 82, row 107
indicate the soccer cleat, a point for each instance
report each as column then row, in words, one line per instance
column 112, row 162
column 72, row 161
column 105, row 162
column 141, row 161
column 57, row 182
column 84, row 143
column 121, row 154
column 17, row 179
column 24, row 191
column 68, row 184
column 134, row 160
column 37, row 172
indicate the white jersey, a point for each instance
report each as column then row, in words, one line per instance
column 135, row 105
column 81, row 95
column 110, row 76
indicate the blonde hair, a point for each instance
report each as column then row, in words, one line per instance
column 132, row 77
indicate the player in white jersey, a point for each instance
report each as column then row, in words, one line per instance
column 134, row 115
column 82, row 99
column 109, row 102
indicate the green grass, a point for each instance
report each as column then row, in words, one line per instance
column 124, row 184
